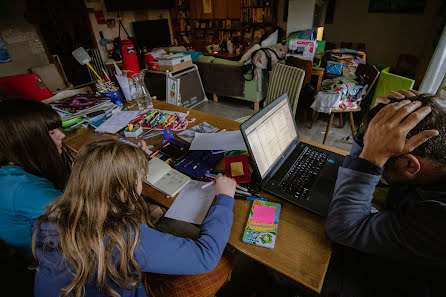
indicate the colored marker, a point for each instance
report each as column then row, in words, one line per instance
column 207, row 185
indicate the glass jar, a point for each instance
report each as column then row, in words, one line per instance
column 140, row 93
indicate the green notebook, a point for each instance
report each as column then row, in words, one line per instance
column 262, row 225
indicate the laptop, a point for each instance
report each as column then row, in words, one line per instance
column 288, row 168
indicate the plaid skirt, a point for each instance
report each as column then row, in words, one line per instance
column 197, row 285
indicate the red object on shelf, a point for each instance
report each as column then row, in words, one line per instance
column 25, row 86
column 129, row 57
column 150, row 63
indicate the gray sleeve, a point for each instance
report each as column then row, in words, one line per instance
column 350, row 222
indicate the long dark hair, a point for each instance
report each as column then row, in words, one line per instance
column 25, row 140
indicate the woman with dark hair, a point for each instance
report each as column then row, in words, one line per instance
column 34, row 167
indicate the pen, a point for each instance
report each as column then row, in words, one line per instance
column 243, row 193
column 207, row 185
column 171, row 121
column 210, row 175
column 153, row 155
column 250, row 198
column 125, row 139
column 152, row 114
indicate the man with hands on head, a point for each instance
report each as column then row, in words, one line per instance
column 401, row 249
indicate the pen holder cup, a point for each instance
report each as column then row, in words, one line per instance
column 134, row 133
column 115, row 97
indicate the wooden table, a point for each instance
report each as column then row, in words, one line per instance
column 302, row 251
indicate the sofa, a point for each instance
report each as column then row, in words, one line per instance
column 223, row 77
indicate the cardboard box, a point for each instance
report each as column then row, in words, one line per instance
column 177, row 67
column 174, row 62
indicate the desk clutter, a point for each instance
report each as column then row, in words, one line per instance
column 182, row 166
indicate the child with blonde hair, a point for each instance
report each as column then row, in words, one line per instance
column 97, row 239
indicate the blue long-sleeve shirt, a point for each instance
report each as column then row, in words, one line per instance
column 23, row 198
column 412, row 229
column 156, row 252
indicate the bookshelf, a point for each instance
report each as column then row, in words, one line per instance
column 223, row 19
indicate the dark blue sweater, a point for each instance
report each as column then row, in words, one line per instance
column 157, row 252
column 412, row 229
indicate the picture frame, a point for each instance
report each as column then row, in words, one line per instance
column 396, row 6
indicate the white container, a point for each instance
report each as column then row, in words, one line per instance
column 230, row 47
column 134, row 133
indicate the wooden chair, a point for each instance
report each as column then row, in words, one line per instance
column 285, row 79
column 371, row 74
column 305, row 65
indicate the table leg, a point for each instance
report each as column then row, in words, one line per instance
column 319, row 81
column 330, row 121
column 256, row 106
column 215, row 97
column 352, row 123
column 313, row 118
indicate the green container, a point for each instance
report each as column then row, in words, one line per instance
column 320, row 46
column 71, row 122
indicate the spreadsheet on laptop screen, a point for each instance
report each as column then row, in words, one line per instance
column 270, row 135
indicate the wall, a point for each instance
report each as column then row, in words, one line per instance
column 386, row 35
column 127, row 17
column 300, row 15
column 21, row 39
column 280, row 12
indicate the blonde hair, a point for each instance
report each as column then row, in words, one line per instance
column 98, row 216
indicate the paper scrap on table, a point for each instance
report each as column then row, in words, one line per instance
column 263, row 214
column 192, row 203
column 117, row 121
column 124, row 84
column 231, row 140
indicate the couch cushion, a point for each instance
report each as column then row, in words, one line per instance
column 205, row 59
column 226, row 62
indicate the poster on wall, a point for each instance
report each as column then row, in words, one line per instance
column 397, row 6
column 4, row 54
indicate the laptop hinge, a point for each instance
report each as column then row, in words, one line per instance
column 282, row 159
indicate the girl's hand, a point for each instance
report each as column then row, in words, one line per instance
column 225, row 185
column 143, row 145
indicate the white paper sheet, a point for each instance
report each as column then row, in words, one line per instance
column 192, row 203
column 124, row 84
column 232, row 140
column 117, row 121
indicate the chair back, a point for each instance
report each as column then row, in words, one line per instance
column 370, row 73
column 305, row 65
column 285, row 79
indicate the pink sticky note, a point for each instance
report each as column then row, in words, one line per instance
column 263, row 214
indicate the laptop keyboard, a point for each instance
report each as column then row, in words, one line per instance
column 302, row 174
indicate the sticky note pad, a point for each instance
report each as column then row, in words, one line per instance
column 263, row 214
column 237, row 169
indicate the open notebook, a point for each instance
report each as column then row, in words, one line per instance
column 164, row 178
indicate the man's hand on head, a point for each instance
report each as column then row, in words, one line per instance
column 386, row 134
column 401, row 94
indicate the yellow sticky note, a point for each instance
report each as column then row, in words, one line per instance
column 237, row 169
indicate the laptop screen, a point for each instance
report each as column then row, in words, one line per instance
column 270, row 136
